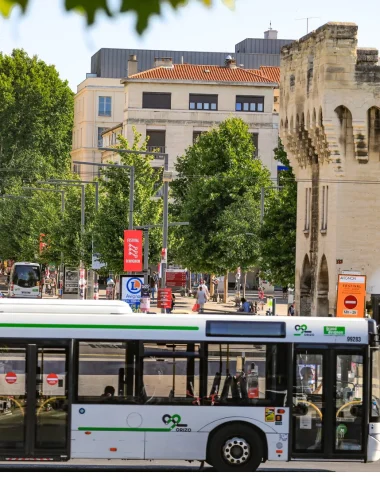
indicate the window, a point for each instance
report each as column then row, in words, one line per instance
column 157, row 100
column 375, row 385
column 105, row 372
column 325, row 198
column 196, row 136
column 156, row 141
column 255, row 141
column 307, row 209
column 171, row 373
column 100, row 138
column 26, row 276
column 104, row 107
column 203, row 102
column 246, row 374
column 249, row 104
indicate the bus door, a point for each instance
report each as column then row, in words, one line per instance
column 329, row 402
column 33, row 401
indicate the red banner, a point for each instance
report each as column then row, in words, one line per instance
column 164, row 298
column 175, row 279
column 133, row 251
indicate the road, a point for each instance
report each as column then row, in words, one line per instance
column 181, row 466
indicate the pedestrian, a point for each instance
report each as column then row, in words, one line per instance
column 173, row 303
column 153, row 284
column 291, row 310
column 245, row 306
column 205, row 289
column 201, row 298
column 261, row 298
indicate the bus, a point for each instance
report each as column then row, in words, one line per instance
column 25, row 280
column 231, row 391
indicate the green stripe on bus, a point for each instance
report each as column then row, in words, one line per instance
column 107, row 429
column 114, row 327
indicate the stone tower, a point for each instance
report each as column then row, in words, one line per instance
column 330, row 127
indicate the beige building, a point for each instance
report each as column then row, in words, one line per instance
column 330, row 126
column 174, row 104
column 98, row 105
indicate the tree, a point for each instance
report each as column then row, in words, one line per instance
column 113, row 215
column 278, row 235
column 144, row 9
column 218, row 192
column 36, row 117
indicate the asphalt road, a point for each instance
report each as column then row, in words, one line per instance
column 181, row 466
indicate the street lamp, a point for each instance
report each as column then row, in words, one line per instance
column 166, row 178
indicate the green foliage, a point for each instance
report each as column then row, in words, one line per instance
column 218, row 192
column 278, row 235
column 36, row 117
column 113, row 215
column 143, row 9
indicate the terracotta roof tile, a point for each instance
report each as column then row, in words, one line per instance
column 270, row 73
column 211, row 73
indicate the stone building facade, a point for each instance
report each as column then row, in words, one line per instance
column 330, row 127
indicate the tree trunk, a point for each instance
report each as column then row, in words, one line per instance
column 225, row 293
column 244, row 284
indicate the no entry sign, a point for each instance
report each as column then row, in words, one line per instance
column 52, row 379
column 350, row 301
column 10, row 378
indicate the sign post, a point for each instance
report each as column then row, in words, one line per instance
column 351, row 296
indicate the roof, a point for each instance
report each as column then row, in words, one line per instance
column 271, row 73
column 205, row 73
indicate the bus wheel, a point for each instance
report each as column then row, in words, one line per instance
column 235, row 447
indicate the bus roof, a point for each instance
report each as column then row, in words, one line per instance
column 196, row 328
column 35, row 305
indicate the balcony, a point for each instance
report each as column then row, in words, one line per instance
column 161, row 149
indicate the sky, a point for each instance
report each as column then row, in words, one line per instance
column 63, row 39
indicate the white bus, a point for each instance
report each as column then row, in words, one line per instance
column 227, row 390
column 25, row 280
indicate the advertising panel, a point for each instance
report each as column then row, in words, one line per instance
column 351, row 296
column 130, row 291
column 133, row 251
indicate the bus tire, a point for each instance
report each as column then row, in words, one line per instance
column 235, row 447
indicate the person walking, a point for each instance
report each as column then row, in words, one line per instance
column 153, row 284
column 291, row 310
column 261, row 298
column 204, row 287
column 201, row 298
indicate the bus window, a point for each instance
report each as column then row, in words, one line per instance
column 349, row 402
column 26, row 276
column 246, row 374
column 375, row 385
column 171, row 373
column 103, row 372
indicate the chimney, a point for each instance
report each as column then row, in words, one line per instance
column 163, row 62
column 230, row 62
column 132, row 65
column 270, row 34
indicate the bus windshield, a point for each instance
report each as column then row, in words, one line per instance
column 26, row 276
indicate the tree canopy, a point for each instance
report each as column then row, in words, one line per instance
column 218, row 192
column 143, row 9
column 36, row 117
column 278, row 235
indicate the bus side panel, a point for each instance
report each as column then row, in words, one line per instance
column 109, row 444
column 176, row 446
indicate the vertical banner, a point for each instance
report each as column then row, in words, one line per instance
column 351, row 296
column 133, row 261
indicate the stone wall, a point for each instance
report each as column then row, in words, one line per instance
column 330, row 127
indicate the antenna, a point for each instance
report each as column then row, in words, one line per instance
column 307, row 22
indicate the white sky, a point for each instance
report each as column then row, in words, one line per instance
column 64, row 40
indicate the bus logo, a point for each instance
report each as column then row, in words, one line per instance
column 301, row 330
column 173, row 422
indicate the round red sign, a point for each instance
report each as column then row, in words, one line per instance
column 10, row 378
column 52, row 379
column 350, row 302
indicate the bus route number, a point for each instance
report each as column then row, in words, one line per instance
column 354, row 339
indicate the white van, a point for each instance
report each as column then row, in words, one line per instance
column 25, row 280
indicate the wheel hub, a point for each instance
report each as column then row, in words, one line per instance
column 236, row 451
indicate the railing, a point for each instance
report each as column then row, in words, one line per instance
column 157, row 149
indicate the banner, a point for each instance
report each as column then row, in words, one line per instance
column 133, row 251
column 71, row 280
column 351, row 296
column 164, row 298
column 176, row 278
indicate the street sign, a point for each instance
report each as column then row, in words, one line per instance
column 52, row 379
column 164, row 298
column 351, row 296
column 11, row 378
column 133, row 250
column 131, row 287
column 175, row 278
